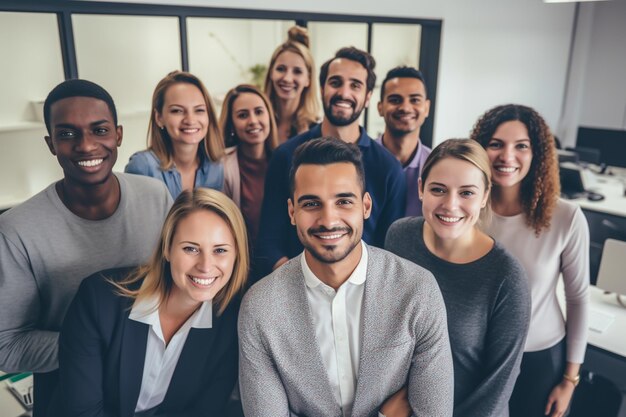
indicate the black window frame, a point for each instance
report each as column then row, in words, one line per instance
column 430, row 40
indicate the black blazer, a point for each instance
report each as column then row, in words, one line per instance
column 102, row 354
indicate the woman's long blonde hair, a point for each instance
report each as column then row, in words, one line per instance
column 309, row 108
column 159, row 142
column 156, row 275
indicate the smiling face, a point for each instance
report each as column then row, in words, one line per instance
column 344, row 93
column 452, row 196
column 289, row 76
column 202, row 257
column 404, row 106
column 328, row 209
column 184, row 114
column 510, row 154
column 251, row 119
column 84, row 139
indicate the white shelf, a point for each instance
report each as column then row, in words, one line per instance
column 19, row 126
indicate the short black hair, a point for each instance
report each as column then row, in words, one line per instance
column 353, row 54
column 77, row 88
column 325, row 151
column 402, row 72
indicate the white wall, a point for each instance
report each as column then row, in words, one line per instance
column 493, row 51
column 596, row 92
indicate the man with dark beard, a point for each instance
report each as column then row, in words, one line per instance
column 404, row 106
column 346, row 81
column 344, row 329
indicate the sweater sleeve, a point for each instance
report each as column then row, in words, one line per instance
column 431, row 376
column 23, row 347
column 503, row 348
column 575, row 271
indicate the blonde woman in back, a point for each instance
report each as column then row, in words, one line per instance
column 291, row 85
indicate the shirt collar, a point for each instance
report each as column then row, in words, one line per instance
column 415, row 162
column 357, row 277
column 146, row 311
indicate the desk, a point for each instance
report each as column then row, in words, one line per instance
column 612, row 188
column 606, row 351
column 613, row 339
column 606, row 218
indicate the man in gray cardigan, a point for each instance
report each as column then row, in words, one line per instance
column 344, row 329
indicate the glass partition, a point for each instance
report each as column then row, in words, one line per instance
column 392, row 45
column 226, row 52
column 127, row 55
column 328, row 37
column 31, row 66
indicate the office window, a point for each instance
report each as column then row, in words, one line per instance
column 31, row 66
column 127, row 55
column 392, row 45
column 226, row 52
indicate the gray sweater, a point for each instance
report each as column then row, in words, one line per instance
column 488, row 307
column 46, row 251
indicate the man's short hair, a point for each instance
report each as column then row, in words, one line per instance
column 353, row 54
column 402, row 72
column 77, row 88
column 325, row 151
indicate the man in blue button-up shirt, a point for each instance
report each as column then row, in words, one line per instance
column 346, row 81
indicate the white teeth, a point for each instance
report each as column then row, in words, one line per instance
column 344, row 104
column 190, row 130
column 506, row 169
column 90, row 162
column 449, row 219
column 254, row 131
column 329, row 236
column 203, row 281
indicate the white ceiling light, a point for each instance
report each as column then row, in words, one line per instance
column 570, row 1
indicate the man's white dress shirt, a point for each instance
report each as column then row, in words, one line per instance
column 337, row 320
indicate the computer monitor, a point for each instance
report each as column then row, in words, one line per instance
column 612, row 276
column 610, row 142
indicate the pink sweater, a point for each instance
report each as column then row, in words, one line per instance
column 561, row 250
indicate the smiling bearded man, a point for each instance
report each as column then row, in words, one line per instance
column 346, row 81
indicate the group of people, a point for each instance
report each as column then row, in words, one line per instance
column 392, row 280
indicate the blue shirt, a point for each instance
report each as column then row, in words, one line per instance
column 384, row 180
column 209, row 175
column 412, row 171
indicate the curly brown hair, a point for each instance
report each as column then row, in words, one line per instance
column 540, row 189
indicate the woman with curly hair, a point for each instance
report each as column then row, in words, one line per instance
column 550, row 237
column 291, row 85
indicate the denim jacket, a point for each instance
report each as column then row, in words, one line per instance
column 209, row 175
